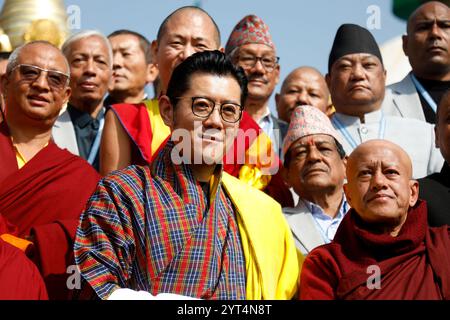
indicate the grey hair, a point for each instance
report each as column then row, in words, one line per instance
column 67, row 46
column 14, row 57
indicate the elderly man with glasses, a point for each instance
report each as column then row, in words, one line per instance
column 182, row 225
column 250, row 45
column 43, row 189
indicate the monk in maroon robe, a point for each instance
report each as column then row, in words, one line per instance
column 384, row 248
column 43, row 189
column 19, row 277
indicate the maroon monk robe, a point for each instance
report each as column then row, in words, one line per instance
column 19, row 277
column 45, row 198
column 413, row 265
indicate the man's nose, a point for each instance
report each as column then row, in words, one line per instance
column 302, row 99
column 187, row 51
column 378, row 180
column 215, row 119
column 42, row 81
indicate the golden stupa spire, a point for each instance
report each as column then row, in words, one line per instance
column 27, row 20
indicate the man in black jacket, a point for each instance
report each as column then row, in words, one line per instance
column 435, row 188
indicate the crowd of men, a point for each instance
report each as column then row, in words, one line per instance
column 200, row 192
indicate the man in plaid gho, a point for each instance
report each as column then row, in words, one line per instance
column 188, row 228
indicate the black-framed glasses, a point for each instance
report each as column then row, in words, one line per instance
column 248, row 61
column 203, row 107
column 57, row 80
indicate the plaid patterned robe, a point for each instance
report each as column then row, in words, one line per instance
column 156, row 231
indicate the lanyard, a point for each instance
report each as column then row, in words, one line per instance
column 341, row 128
column 96, row 144
column 424, row 93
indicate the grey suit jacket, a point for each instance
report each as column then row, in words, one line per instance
column 64, row 133
column 303, row 228
column 402, row 100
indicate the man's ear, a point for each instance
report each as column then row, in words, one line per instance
column 347, row 195
column 222, row 49
column 152, row 73
column 285, row 175
column 414, row 196
column 436, row 136
column 405, row 44
column 4, row 84
column 277, row 73
column 66, row 94
column 166, row 110
column 154, row 50
column 344, row 162
column 328, row 80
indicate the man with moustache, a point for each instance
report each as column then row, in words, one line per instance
column 303, row 86
column 384, row 248
column 314, row 166
column 250, row 45
column 80, row 127
column 427, row 45
column 356, row 79
column 186, row 227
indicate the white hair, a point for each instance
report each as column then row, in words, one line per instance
column 67, row 46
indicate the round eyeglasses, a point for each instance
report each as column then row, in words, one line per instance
column 248, row 61
column 203, row 107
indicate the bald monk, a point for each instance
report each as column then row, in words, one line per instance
column 303, row 86
column 383, row 248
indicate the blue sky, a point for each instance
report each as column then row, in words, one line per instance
column 302, row 30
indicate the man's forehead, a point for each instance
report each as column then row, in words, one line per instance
column 309, row 77
column 357, row 56
column 42, row 55
column 191, row 18
column 432, row 11
column 123, row 40
column 88, row 43
column 256, row 48
column 313, row 139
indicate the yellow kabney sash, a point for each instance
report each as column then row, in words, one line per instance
column 272, row 261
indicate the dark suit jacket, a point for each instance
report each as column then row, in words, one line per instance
column 279, row 124
column 435, row 190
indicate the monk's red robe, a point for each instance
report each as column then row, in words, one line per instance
column 43, row 201
column 19, row 277
column 135, row 120
column 415, row 265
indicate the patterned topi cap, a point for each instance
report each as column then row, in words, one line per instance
column 251, row 29
column 306, row 121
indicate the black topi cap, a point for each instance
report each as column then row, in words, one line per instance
column 351, row 38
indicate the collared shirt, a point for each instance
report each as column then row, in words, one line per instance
column 436, row 90
column 86, row 130
column 407, row 133
column 266, row 123
column 326, row 225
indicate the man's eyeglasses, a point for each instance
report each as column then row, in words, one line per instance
column 248, row 61
column 57, row 80
column 203, row 107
